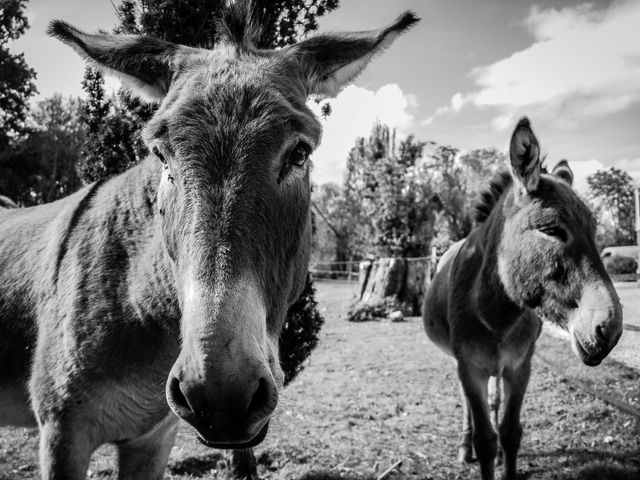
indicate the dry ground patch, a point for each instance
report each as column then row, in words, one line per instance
column 375, row 393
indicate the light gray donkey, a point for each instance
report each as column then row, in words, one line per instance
column 160, row 294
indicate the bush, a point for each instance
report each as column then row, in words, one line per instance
column 300, row 332
column 618, row 265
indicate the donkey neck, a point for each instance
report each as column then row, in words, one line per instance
column 151, row 285
column 496, row 309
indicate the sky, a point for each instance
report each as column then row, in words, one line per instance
column 462, row 77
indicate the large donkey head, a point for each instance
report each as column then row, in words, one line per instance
column 548, row 258
column 232, row 136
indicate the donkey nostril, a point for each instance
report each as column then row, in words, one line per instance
column 260, row 400
column 178, row 398
column 600, row 334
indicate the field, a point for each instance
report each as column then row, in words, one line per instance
column 377, row 393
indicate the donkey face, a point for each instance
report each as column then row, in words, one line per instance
column 232, row 136
column 548, row 258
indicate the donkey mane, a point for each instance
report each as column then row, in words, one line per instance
column 239, row 25
column 499, row 184
column 488, row 198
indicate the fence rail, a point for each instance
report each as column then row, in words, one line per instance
column 350, row 269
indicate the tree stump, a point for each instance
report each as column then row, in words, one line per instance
column 388, row 285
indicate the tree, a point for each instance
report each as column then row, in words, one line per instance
column 458, row 180
column 16, row 77
column 611, row 194
column 387, row 196
column 335, row 228
column 388, row 203
column 113, row 142
column 41, row 165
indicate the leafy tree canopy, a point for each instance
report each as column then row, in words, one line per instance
column 16, row 77
column 41, row 166
column 612, row 197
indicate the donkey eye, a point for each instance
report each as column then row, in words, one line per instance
column 555, row 231
column 156, row 151
column 300, row 154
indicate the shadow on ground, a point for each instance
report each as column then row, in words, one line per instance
column 334, row 475
column 196, row 466
column 586, row 455
column 602, row 471
column 589, row 464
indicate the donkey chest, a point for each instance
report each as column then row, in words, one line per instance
column 493, row 351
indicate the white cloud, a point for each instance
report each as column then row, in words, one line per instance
column 353, row 113
column 581, row 170
column 585, row 62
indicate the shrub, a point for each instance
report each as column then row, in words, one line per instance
column 617, row 265
column 300, row 332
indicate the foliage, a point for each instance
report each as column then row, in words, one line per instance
column 399, row 198
column 112, row 143
column 387, row 196
column 41, row 166
column 300, row 332
column 194, row 22
column 16, row 77
column 458, row 180
column 611, row 195
column 617, row 265
column 334, row 226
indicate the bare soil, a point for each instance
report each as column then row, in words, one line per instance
column 375, row 393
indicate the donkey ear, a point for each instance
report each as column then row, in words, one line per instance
column 331, row 61
column 524, row 152
column 144, row 64
column 563, row 172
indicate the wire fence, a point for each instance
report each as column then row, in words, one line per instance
column 350, row 270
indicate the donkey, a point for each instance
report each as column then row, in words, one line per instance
column 532, row 256
column 160, row 294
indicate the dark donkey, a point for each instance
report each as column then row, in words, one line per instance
column 532, row 255
column 160, row 294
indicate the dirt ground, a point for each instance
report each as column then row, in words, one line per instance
column 377, row 393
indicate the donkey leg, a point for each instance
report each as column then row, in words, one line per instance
column 243, row 465
column 515, row 386
column 495, row 390
column 65, row 452
column 485, row 439
column 145, row 457
column 465, row 449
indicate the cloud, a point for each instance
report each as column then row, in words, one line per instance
column 581, row 170
column 353, row 113
column 585, row 61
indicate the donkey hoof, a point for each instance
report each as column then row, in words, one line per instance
column 465, row 455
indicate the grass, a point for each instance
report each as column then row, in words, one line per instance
column 376, row 392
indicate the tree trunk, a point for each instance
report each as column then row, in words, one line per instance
column 388, row 285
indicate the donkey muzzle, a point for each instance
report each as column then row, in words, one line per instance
column 596, row 325
column 231, row 412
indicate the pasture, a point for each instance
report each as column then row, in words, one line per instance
column 376, row 393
